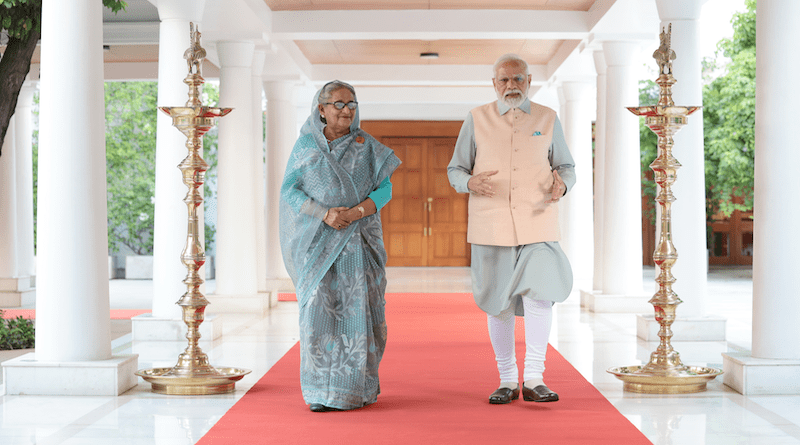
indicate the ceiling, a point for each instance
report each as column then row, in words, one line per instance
column 376, row 44
column 407, row 52
column 554, row 5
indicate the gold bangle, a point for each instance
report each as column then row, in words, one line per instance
column 361, row 209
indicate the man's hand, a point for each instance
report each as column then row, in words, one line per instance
column 337, row 218
column 559, row 188
column 481, row 185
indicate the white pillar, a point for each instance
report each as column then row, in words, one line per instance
column 577, row 205
column 599, row 168
column 775, row 303
column 24, row 141
column 689, row 209
column 10, row 283
column 72, row 305
column 622, row 222
column 774, row 366
column 17, row 261
column 281, row 136
column 236, row 214
column 260, row 173
column 169, row 235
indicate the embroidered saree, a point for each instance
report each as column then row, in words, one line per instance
column 339, row 275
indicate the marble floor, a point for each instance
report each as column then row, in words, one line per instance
column 591, row 342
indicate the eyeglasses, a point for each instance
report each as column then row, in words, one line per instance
column 340, row 105
column 519, row 79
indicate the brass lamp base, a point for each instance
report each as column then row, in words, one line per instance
column 214, row 381
column 688, row 380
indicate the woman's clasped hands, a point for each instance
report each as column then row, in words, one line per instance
column 338, row 218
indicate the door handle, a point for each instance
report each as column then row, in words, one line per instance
column 430, row 208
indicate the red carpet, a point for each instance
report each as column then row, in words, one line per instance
column 116, row 314
column 436, row 377
column 286, row 296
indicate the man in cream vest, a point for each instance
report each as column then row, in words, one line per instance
column 511, row 157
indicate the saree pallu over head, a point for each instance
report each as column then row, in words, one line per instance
column 320, row 176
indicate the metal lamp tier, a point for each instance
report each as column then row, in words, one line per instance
column 193, row 375
column 665, row 373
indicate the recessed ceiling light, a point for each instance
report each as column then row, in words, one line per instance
column 429, row 55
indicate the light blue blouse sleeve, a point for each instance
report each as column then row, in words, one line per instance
column 381, row 195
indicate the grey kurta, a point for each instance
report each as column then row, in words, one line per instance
column 502, row 275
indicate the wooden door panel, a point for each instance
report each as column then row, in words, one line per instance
column 404, row 216
column 425, row 223
column 447, row 212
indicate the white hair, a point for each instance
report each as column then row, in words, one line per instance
column 510, row 58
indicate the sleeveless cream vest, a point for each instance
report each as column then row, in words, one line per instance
column 517, row 145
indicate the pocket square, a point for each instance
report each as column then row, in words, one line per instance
column 537, row 133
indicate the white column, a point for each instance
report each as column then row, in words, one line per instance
column 774, row 366
column 236, row 214
column 72, row 305
column 599, row 168
column 169, row 235
column 577, row 205
column 622, row 223
column 24, row 141
column 774, row 301
column 281, row 136
column 260, row 173
column 17, row 261
column 9, row 270
column 689, row 209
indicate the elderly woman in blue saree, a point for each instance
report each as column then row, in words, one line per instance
column 336, row 181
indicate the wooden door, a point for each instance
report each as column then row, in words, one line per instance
column 732, row 239
column 447, row 210
column 425, row 223
column 404, row 218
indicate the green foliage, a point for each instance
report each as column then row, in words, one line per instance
column 16, row 333
column 130, row 164
column 648, row 146
column 35, row 153
column 130, row 160
column 729, row 121
column 20, row 17
column 210, row 98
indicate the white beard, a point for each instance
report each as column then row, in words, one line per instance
column 513, row 102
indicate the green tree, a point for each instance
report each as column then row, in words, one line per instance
column 21, row 20
column 130, row 164
column 729, row 121
column 131, row 116
column 211, row 99
column 648, row 149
